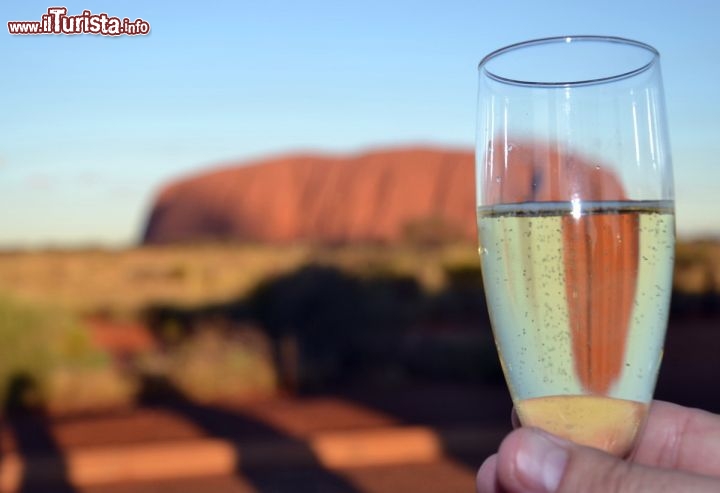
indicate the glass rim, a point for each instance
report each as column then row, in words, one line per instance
column 655, row 56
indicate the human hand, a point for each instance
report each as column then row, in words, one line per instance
column 678, row 451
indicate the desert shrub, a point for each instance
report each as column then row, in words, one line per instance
column 457, row 357
column 462, row 302
column 321, row 307
column 47, row 361
column 215, row 365
column 392, row 303
column 464, row 274
column 342, row 323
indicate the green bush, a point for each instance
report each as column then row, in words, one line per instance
column 47, row 362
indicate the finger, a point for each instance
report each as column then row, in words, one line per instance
column 487, row 476
column 677, row 437
column 532, row 461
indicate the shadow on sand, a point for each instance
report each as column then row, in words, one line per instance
column 305, row 475
column 33, row 438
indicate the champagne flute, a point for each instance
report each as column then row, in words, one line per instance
column 576, row 230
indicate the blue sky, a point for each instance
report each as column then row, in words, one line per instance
column 91, row 126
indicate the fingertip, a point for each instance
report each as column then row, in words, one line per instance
column 531, row 460
column 486, row 479
column 506, row 458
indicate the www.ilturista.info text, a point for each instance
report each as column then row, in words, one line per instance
column 56, row 21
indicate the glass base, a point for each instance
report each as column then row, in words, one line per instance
column 604, row 423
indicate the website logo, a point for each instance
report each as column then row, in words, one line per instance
column 57, row 21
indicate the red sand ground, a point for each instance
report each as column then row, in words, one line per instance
column 425, row 439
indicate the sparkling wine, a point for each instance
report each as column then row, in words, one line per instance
column 578, row 297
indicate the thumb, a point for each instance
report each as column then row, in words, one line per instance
column 532, row 461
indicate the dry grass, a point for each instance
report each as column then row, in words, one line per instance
column 46, row 344
column 119, row 283
column 207, row 366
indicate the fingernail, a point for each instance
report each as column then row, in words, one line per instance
column 541, row 461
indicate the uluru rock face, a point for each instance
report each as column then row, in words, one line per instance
column 387, row 196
